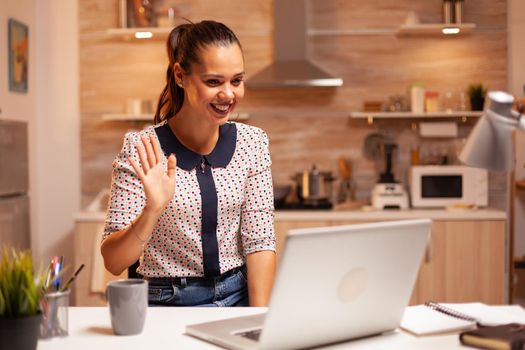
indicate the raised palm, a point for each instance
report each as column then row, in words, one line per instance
column 159, row 184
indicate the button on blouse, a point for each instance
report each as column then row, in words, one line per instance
column 236, row 177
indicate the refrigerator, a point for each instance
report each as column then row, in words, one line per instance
column 14, row 185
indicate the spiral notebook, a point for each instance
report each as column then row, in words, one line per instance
column 433, row 318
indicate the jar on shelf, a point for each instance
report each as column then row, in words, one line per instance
column 417, row 98
column 448, row 101
column 431, row 101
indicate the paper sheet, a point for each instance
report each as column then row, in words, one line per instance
column 422, row 320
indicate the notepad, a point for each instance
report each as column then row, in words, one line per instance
column 423, row 320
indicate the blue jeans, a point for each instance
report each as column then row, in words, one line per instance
column 228, row 289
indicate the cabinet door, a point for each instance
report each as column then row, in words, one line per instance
column 464, row 262
column 282, row 228
column 91, row 283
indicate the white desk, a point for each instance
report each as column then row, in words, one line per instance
column 90, row 329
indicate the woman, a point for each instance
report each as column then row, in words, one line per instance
column 192, row 196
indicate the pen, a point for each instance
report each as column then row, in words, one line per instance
column 68, row 283
column 58, row 268
column 59, row 276
column 52, row 275
column 49, row 272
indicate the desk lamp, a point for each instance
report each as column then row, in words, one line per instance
column 490, row 144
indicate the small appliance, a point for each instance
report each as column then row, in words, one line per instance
column 447, row 186
column 389, row 196
column 388, row 193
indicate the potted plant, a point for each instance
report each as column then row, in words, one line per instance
column 476, row 94
column 20, row 293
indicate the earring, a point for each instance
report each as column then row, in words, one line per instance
column 180, row 85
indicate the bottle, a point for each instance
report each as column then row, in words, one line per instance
column 448, row 11
column 417, row 98
column 458, row 11
column 431, row 101
column 414, row 156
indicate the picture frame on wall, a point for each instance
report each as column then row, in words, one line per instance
column 18, row 52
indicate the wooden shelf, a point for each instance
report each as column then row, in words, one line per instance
column 434, row 29
column 241, row 116
column 161, row 33
column 410, row 115
column 157, row 33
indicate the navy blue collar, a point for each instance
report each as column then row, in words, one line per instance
column 187, row 159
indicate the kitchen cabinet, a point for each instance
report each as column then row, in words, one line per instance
column 89, row 287
column 465, row 260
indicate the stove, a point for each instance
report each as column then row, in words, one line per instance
column 305, row 205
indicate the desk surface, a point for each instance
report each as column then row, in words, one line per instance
column 90, row 328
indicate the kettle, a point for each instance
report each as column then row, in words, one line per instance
column 313, row 185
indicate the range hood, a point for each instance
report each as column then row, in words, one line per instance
column 291, row 67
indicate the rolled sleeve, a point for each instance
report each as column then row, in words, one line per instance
column 127, row 198
column 257, row 213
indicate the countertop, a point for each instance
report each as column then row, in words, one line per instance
column 373, row 215
column 90, row 328
column 357, row 215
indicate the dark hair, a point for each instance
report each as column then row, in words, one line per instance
column 183, row 45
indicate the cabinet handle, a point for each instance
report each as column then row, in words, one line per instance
column 428, row 252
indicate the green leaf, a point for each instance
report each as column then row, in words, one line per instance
column 20, row 288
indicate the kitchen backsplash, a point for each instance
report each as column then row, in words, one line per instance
column 298, row 142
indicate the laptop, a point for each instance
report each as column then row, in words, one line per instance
column 333, row 284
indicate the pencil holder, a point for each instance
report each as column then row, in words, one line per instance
column 54, row 314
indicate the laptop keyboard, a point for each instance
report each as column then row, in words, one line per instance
column 253, row 335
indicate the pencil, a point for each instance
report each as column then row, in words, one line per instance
column 68, row 283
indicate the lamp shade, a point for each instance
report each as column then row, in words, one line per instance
column 490, row 144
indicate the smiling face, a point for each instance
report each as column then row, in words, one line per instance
column 215, row 85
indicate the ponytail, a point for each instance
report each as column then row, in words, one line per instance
column 172, row 96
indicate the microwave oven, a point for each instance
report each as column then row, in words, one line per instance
column 433, row 186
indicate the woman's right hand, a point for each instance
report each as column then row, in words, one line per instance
column 159, row 185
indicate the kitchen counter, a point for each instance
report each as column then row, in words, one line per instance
column 358, row 215
column 373, row 215
column 482, row 235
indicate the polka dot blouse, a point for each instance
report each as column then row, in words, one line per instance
column 235, row 178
